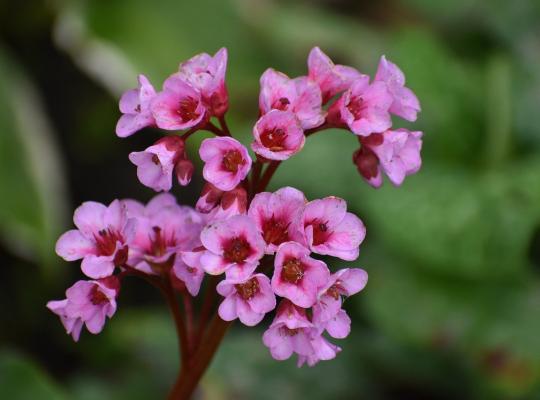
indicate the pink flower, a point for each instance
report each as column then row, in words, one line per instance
column 89, row 303
column 276, row 215
column 233, row 245
column 327, row 312
column 163, row 229
column 322, row 349
column 178, row 106
column 227, row 162
column 289, row 333
column 207, row 74
column 278, row 135
column 405, row 103
column 330, row 230
column 101, row 239
column 332, row 79
column 297, row 276
column 135, row 108
column 248, row 299
column 188, row 269
column 364, row 108
column 219, row 205
column 300, row 96
column 155, row 165
column 397, row 153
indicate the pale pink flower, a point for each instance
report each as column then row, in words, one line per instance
column 297, row 276
column 101, row 239
column 327, row 312
column 363, row 108
column 227, row 162
column 247, row 299
column 322, row 350
column 207, row 74
column 156, row 164
column 219, row 205
column 330, row 230
column 405, row 104
column 163, row 228
column 188, row 269
column 178, row 106
column 233, row 245
column 289, row 333
column 278, row 135
column 87, row 303
column 276, row 215
column 300, row 96
column 135, row 108
column 332, row 79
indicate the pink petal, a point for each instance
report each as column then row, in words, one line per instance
column 73, row 245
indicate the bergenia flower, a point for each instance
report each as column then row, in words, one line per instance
column 289, row 333
column 397, row 153
column 330, row 230
column 300, row 96
column 87, row 303
column 332, row 79
column 188, row 269
column 227, row 162
column 297, row 276
column 322, row 350
column 156, row 164
column 405, row 104
column 163, row 228
column 276, row 215
column 218, row 205
column 135, row 108
column 278, row 135
column 207, row 74
column 248, row 299
column 327, row 312
column 101, row 239
column 184, row 171
column 364, row 108
column 178, row 106
column 233, row 245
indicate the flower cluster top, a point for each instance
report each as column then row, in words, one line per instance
column 264, row 247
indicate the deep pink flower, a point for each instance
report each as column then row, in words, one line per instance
column 278, row 135
column 178, row 106
column 289, row 333
column 332, row 79
column 135, row 108
column 233, row 245
column 88, row 303
column 248, row 299
column 207, row 74
column 297, row 276
column 163, row 228
column 101, row 239
column 397, row 153
column 188, row 269
column 227, row 162
column 300, row 96
column 363, row 108
column 330, row 230
column 156, row 164
column 405, row 104
column 327, row 312
column 276, row 215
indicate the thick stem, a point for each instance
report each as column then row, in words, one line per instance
column 209, row 296
column 224, row 126
column 255, row 176
column 168, row 292
column 188, row 309
column 268, row 173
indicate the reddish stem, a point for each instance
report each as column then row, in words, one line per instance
column 268, row 173
column 183, row 346
column 188, row 308
column 224, row 126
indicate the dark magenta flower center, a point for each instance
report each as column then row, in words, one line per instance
column 187, row 109
column 281, row 104
column 249, row 289
column 232, row 160
column 275, row 231
column 236, row 250
column 106, row 241
column 320, row 232
column 274, row 139
column 356, row 107
column 292, row 271
column 97, row 297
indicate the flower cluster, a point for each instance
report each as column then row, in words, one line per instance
column 263, row 249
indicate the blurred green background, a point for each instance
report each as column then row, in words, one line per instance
column 452, row 308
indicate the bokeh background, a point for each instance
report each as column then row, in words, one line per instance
column 452, row 308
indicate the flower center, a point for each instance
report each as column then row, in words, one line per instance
column 232, row 159
column 275, row 232
column 97, row 297
column 320, row 232
column 274, row 139
column 237, row 250
column 159, row 243
column 333, row 291
column 155, row 159
column 281, row 104
column 292, row 271
column 187, row 109
column 106, row 242
column 356, row 106
column 249, row 289
column 289, row 332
